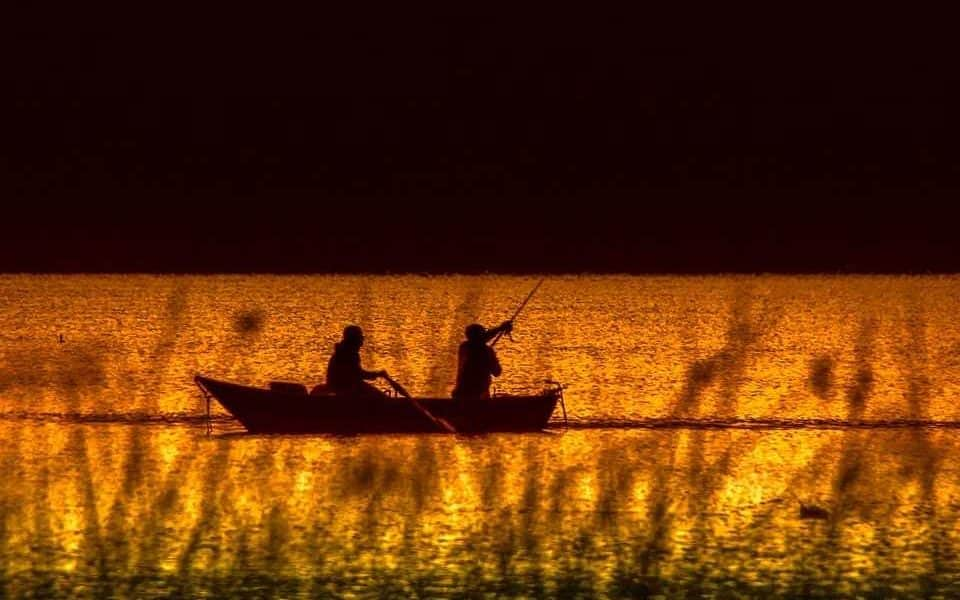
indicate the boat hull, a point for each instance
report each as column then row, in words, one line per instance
column 287, row 410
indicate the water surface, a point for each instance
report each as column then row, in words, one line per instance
column 703, row 413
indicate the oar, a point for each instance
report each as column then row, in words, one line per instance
column 519, row 309
column 441, row 424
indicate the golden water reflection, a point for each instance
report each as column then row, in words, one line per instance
column 113, row 489
column 149, row 510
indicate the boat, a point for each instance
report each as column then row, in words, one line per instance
column 285, row 407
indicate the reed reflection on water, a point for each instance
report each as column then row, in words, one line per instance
column 134, row 506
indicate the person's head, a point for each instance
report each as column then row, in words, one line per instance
column 475, row 332
column 353, row 335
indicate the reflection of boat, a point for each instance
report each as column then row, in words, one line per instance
column 288, row 408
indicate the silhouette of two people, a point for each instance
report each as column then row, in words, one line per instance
column 477, row 364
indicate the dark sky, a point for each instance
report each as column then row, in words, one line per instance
column 637, row 141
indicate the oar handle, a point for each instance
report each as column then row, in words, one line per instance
column 397, row 387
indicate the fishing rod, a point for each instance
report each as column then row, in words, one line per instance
column 519, row 309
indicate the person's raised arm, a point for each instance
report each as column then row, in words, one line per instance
column 505, row 327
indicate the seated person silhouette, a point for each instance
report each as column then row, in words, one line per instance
column 345, row 376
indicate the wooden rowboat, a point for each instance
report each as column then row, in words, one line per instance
column 288, row 408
